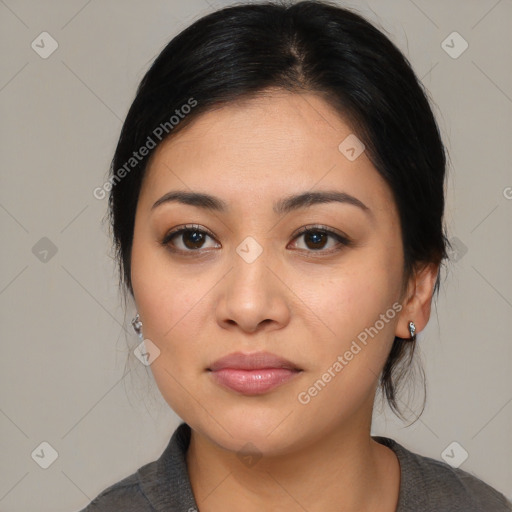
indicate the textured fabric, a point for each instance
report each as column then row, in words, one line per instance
column 427, row 485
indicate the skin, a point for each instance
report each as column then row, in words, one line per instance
column 304, row 304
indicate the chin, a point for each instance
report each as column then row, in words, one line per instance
column 252, row 428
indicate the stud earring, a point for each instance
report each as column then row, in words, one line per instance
column 412, row 330
column 137, row 326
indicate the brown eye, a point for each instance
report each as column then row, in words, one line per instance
column 317, row 239
column 193, row 239
column 185, row 239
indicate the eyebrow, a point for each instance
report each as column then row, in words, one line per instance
column 281, row 207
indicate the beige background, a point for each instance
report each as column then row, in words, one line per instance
column 64, row 332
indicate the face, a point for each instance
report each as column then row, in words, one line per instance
column 244, row 279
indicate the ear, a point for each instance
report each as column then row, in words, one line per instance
column 418, row 299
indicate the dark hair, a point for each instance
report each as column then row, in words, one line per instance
column 241, row 51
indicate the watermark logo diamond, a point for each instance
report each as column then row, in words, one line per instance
column 249, row 250
column 249, row 455
column 45, row 455
column 44, row 45
column 146, row 352
column 351, row 147
column 44, row 250
column 457, row 250
column 454, row 45
column 454, row 454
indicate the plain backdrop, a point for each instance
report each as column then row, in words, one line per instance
column 65, row 334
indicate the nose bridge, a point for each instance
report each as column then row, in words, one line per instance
column 250, row 274
column 250, row 295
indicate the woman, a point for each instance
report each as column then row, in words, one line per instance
column 277, row 198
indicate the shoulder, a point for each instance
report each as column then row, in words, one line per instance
column 160, row 485
column 428, row 484
column 124, row 495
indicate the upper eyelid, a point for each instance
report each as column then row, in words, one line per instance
column 188, row 227
column 320, row 227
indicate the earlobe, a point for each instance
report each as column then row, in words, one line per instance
column 417, row 305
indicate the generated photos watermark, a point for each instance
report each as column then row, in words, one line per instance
column 304, row 397
column 158, row 134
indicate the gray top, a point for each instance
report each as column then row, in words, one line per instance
column 427, row 485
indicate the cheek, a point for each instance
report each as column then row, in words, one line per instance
column 168, row 299
column 355, row 304
column 166, row 293
column 356, row 308
column 354, row 296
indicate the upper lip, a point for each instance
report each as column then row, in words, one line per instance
column 254, row 361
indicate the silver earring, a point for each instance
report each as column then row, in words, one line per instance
column 412, row 330
column 137, row 326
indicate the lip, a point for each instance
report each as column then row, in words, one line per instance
column 253, row 361
column 253, row 374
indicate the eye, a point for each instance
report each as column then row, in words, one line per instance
column 316, row 238
column 192, row 238
column 189, row 238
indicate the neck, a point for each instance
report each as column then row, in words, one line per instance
column 344, row 470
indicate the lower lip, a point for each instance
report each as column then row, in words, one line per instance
column 253, row 382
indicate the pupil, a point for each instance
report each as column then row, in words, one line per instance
column 317, row 238
column 195, row 237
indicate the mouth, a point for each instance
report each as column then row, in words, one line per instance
column 252, row 374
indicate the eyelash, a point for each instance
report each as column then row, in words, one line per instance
column 342, row 239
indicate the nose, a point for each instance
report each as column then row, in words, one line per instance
column 253, row 297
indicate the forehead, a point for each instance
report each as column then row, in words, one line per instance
column 263, row 127
column 263, row 147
